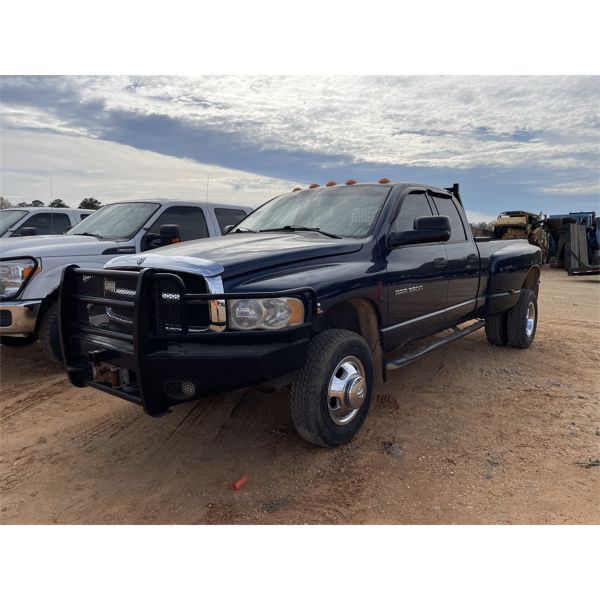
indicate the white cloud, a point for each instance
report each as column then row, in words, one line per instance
column 455, row 122
column 82, row 167
column 474, row 216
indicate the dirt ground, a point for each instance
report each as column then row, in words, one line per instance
column 469, row 434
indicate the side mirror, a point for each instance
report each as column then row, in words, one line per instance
column 426, row 230
column 28, row 231
column 227, row 228
column 169, row 234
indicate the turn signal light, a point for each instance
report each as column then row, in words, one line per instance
column 330, row 183
column 312, row 186
column 27, row 271
column 384, row 180
column 351, row 182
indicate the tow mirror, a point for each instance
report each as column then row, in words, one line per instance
column 426, row 230
column 169, row 234
column 28, row 231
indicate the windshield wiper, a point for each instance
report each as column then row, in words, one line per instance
column 302, row 228
column 90, row 234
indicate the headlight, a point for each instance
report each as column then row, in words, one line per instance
column 265, row 313
column 14, row 274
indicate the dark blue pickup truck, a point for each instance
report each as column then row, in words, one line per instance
column 312, row 290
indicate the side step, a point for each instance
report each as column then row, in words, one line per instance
column 390, row 365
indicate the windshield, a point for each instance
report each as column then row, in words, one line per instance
column 342, row 211
column 116, row 221
column 8, row 218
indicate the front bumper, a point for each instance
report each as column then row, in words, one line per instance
column 18, row 317
column 148, row 349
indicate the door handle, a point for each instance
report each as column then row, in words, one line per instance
column 440, row 262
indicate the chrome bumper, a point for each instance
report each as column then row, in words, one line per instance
column 22, row 318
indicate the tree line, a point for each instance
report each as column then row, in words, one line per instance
column 86, row 203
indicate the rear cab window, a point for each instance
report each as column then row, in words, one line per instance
column 228, row 216
column 447, row 208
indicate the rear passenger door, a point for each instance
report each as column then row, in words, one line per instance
column 463, row 268
column 415, row 280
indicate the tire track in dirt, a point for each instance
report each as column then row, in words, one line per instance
column 27, row 397
column 104, row 428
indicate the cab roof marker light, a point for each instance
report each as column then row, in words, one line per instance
column 297, row 190
column 384, row 180
column 351, row 182
column 330, row 183
column 312, row 186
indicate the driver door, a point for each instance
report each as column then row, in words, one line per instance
column 416, row 286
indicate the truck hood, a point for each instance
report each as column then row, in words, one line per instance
column 53, row 245
column 242, row 252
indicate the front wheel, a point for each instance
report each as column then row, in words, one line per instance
column 521, row 322
column 49, row 334
column 331, row 394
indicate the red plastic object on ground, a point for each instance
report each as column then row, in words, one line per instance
column 241, row 482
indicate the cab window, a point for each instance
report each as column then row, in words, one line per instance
column 447, row 208
column 190, row 219
column 228, row 216
column 414, row 205
column 46, row 223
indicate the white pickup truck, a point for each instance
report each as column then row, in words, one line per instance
column 31, row 266
column 42, row 220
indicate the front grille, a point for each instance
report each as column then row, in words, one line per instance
column 99, row 315
column 5, row 318
column 168, row 300
column 107, row 302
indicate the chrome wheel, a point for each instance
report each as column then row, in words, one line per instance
column 347, row 390
column 530, row 319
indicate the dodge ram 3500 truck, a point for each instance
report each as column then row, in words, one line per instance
column 312, row 289
column 31, row 267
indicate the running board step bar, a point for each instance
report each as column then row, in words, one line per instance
column 390, row 365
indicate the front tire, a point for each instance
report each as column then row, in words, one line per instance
column 49, row 334
column 522, row 320
column 331, row 394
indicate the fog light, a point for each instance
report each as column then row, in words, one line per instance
column 180, row 390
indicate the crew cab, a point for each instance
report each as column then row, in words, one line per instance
column 31, row 267
column 313, row 289
column 36, row 220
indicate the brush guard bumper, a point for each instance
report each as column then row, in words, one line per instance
column 159, row 338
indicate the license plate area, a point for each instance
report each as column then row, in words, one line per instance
column 116, row 377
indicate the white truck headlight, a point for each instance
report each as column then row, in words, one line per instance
column 265, row 313
column 14, row 275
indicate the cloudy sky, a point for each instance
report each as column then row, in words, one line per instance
column 528, row 143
